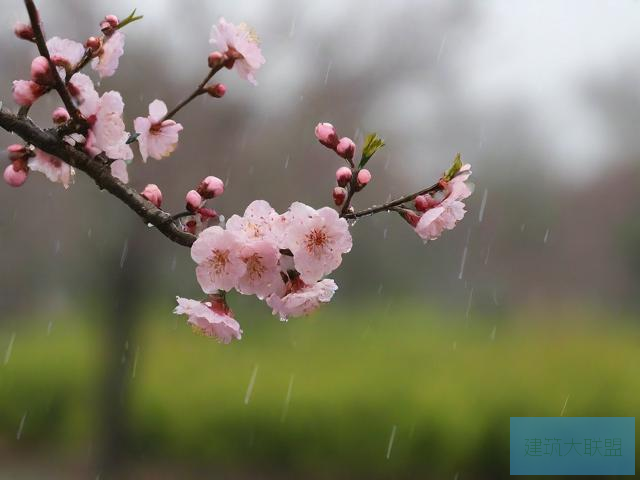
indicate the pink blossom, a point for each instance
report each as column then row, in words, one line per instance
column 210, row 319
column 301, row 299
column 52, row 167
column 88, row 100
column 158, row 138
column 119, row 170
column 217, row 253
column 60, row 115
column 444, row 217
column 217, row 90
column 25, row 92
column 41, row 71
column 343, row 176
column 327, row 135
column 23, row 31
column 109, row 132
column 339, row 195
column 193, row 200
column 240, row 45
column 152, row 193
column 65, row 53
column 258, row 222
column 364, row 177
column 262, row 275
column 15, row 177
column 106, row 63
column 211, row 187
column 457, row 186
column 317, row 240
column 346, row 148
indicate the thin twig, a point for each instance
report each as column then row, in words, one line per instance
column 196, row 93
column 387, row 207
column 99, row 170
column 38, row 35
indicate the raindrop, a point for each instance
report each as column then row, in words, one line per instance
column 89, row 233
column 546, row 236
column 287, row 400
column 49, row 327
column 326, row 75
column 380, row 289
column 57, row 247
column 564, row 407
column 135, row 362
column 444, row 41
column 7, row 353
column 486, row 258
column 482, row 205
column 125, row 250
column 492, row 335
column 384, row 233
column 252, row 381
column 455, row 346
column 21, row 426
column 391, row 440
column 495, row 298
column 251, row 170
column 464, row 259
column 173, row 264
column 286, row 161
column 522, row 227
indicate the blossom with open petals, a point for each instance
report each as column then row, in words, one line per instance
column 317, row 239
column 85, row 94
column 217, row 253
column 109, row 130
column 256, row 223
column 302, row 299
column 65, row 53
column 53, row 168
column 240, row 43
column 262, row 274
column 158, row 138
column 106, row 63
column 210, row 319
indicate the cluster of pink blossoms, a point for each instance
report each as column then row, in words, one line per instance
column 283, row 259
column 106, row 133
column 280, row 258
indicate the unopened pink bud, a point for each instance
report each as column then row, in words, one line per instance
column 23, row 31
column 425, row 202
column 207, row 213
column 339, row 194
column 215, row 59
column 93, row 43
column 218, row 90
column 41, row 71
column 112, row 20
column 327, row 135
column 210, row 187
column 193, row 200
column 60, row 115
column 152, row 193
column 364, row 177
column 343, row 176
column 411, row 217
column 346, row 148
column 25, row 92
column 16, row 151
column 13, row 177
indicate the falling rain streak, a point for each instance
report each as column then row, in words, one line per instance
column 125, row 250
column 7, row 353
column 21, row 426
column 252, row 381
column 287, row 400
column 391, row 440
column 482, row 205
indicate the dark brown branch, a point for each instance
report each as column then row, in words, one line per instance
column 99, row 170
column 59, row 85
column 390, row 206
column 196, row 93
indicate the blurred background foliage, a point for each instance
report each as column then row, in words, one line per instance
column 540, row 318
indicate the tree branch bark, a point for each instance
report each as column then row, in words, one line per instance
column 99, row 170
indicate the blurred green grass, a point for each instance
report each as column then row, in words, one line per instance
column 447, row 385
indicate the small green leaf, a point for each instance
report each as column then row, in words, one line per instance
column 455, row 168
column 372, row 144
column 130, row 19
